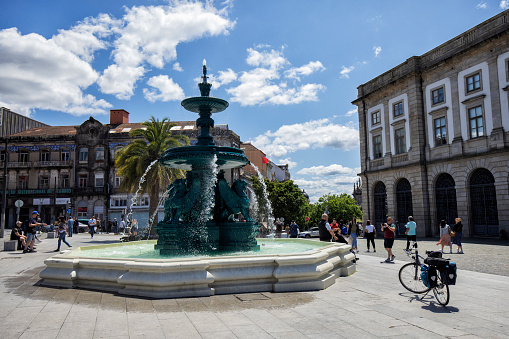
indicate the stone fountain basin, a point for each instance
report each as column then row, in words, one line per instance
column 312, row 270
column 185, row 157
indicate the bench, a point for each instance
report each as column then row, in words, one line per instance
column 10, row 245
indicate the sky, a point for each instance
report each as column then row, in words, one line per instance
column 289, row 68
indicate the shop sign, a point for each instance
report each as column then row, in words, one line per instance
column 41, row 201
column 62, row 201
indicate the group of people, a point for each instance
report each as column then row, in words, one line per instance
column 26, row 233
column 292, row 230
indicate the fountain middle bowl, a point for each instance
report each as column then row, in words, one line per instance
column 186, row 157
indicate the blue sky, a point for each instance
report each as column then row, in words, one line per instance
column 288, row 68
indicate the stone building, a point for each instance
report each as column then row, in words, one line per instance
column 434, row 135
column 58, row 167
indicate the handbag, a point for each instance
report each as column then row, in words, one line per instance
column 452, row 233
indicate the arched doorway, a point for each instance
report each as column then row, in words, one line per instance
column 483, row 203
column 445, row 196
column 403, row 201
column 380, row 195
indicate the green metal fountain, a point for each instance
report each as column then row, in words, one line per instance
column 199, row 209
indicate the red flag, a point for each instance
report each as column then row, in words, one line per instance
column 265, row 160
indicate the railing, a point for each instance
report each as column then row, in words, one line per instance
column 376, row 163
column 399, row 158
column 53, row 163
column 18, row 164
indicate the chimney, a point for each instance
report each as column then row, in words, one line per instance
column 119, row 116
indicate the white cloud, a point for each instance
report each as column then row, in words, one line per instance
column 377, row 50
column 351, row 112
column 317, row 187
column 37, row 73
column 261, row 85
column 482, row 5
column 291, row 164
column 164, row 89
column 345, row 71
column 312, row 134
column 176, row 67
column 311, row 67
column 334, row 169
column 150, row 36
column 504, row 4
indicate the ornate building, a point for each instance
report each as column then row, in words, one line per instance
column 434, row 134
column 52, row 168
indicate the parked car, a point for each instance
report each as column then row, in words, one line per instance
column 48, row 228
column 82, row 225
column 312, row 233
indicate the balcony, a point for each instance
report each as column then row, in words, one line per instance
column 17, row 164
column 90, row 190
column 53, row 163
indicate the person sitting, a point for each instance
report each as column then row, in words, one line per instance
column 17, row 234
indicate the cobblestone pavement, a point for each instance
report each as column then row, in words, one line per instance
column 480, row 255
column 370, row 303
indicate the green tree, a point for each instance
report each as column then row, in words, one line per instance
column 286, row 199
column 150, row 144
column 339, row 206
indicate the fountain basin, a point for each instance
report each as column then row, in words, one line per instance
column 200, row 276
column 186, row 156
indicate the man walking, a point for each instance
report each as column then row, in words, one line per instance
column 326, row 232
column 410, row 232
column 389, row 231
column 115, row 226
column 70, row 226
column 91, row 226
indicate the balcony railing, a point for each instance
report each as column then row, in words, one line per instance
column 18, row 164
column 53, row 163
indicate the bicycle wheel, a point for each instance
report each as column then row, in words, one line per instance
column 410, row 278
column 441, row 291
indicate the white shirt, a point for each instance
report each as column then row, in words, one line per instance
column 327, row 226
column 91, row 222
column 370, row 228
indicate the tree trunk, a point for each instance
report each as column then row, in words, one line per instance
column 153, row 205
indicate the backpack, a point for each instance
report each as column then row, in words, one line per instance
column 344, row 230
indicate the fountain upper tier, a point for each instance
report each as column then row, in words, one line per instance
column 194, row 157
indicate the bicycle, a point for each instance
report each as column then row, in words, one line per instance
column 438, row 274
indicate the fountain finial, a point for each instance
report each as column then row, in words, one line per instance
column 204, row 85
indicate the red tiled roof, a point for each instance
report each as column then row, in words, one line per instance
column 46, row 131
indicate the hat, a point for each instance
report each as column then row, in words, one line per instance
column 35, row 212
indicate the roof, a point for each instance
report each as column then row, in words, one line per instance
column 46, row 131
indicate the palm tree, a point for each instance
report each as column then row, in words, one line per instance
column 132, row 160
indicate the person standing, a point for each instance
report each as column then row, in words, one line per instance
column 279, row 227
column 411, row 235
column 115, row 226
column 389, row 232
column 70, row 226
column 134, row 227
column 458, row 228
column 353, row 232
column 326, row 232
column 294, row 229
column 75, row 225
column 31, row 231
column 91, row 226
column 61, row 233
column 445, row 236
column 370, row 234
column 122, row 226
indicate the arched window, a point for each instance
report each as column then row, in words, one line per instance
column 445, row 196
column 380, row 195
column 404, row 201
column 483, row 203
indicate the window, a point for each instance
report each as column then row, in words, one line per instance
column 23, row 156
column 82, row 212
column 22, row 182
column 476, row 123
column 65, row 155
column 119, row 202
column 2, row 155
column 375, row 118
column 83, row 154
column 473, row 82
column 82, row 182
column 118, row 181
column 43, row 182
column 99, row 180
column 400, row 141
column 438, row 95
column 440, row 131
column 377, row 146
column 99, row 154
column 398, row 109
column 44, row 155
column 65, row 181
column 143, row 201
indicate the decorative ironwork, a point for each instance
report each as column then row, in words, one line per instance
column 483, row 198
column 380, row 204
column 36, row 148
column 445, row 197
column 404, row 200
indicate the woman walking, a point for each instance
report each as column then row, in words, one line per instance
column 445, row 236
column 370, row 234
column 61, row 233
column 353, row 232
column 458, row 229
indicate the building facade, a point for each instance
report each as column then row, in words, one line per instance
column 434, row 135
column 54, row 168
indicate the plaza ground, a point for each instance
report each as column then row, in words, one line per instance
column 368, row 304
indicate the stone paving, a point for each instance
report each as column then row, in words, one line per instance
column 368, row 304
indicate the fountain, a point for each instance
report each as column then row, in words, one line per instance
column 202, row 249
